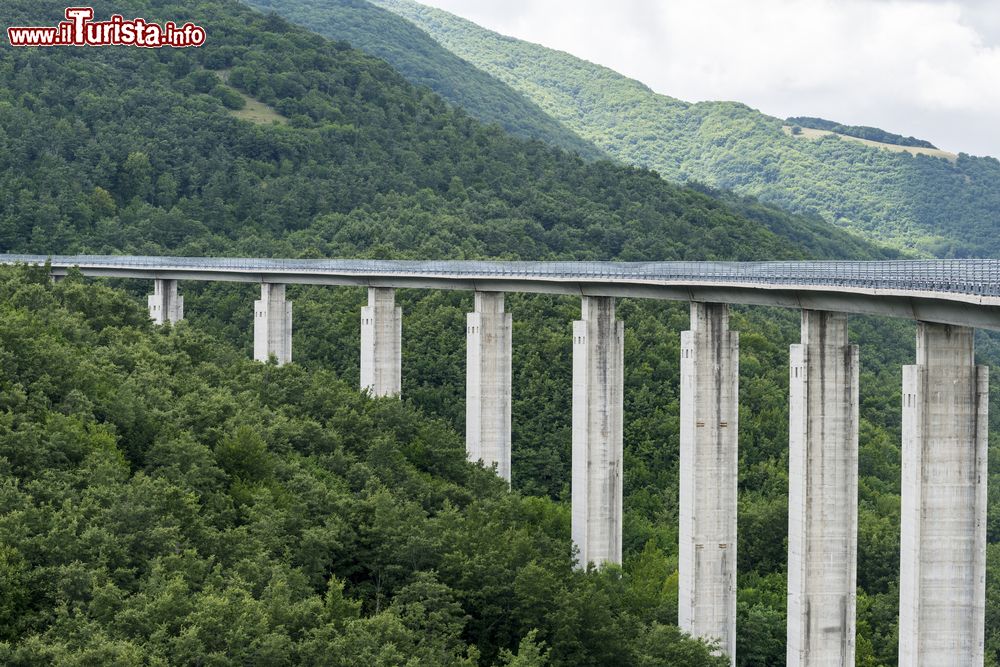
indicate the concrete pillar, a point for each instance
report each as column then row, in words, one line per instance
column 709, row 476
column 488, row 383
column 165, row 304
column 822, row 493
column 942, row 587
column 598, row 382
column 381, row 343
column 272, row 324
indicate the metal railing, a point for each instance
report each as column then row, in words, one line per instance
column 970, row 276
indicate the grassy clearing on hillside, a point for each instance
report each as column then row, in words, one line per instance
column 810, row 133
column 253, row 111
column 258, row 112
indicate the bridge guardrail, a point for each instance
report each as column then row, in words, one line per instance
column 973, row 276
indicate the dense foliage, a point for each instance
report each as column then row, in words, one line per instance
column 920, row 202
column 859, row 131
column 163, row 500
column 424, row 62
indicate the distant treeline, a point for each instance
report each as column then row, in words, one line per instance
column 859, row 131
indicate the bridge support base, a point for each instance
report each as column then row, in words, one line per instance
column 598, row 383
column 943, row 534
column 488, row 383
column 272, row 325
column 822, row 493
column 381, row 343
column 708, row 476
column 165, row 304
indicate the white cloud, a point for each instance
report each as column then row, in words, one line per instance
column 930, row 68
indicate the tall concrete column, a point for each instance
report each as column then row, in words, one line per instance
column 488, row 383
column 709, row 475
column 381, row 343
column 165, row 304
column 942, row 587
column 598, row 383
column 822, row 493
column 272, row 324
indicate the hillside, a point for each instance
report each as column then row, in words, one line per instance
column 163, row 500
column 134, row 151
column 916, row 202
column 424, row 62
column 299, row 520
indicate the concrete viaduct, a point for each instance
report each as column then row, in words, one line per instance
column 944, row 409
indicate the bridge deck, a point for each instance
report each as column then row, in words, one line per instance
column 962, row 292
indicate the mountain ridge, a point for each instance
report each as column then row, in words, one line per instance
column 917, row 202
column 424, row 62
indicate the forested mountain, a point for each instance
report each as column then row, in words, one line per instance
column 920, row 202
column 164, row 501
column 424, row 62
column 119, row 149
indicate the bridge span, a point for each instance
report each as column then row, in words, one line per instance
column 944, row 415
column 961, row 292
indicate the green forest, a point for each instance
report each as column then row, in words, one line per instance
column 163, row 500
column 426, row 63
column 921, row 203
column 166, row 501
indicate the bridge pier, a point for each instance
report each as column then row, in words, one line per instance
column 822, row 493
column 272, row 324
column 488, row 383
column 381, row 343
column 598, row 383
column 708, row 476
column 943, row 534
column 165, row 304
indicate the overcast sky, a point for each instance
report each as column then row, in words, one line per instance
column 927, row 68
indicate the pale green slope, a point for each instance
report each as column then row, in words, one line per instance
column 918, row 202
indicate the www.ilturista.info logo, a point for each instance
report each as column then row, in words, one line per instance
column 80, row 30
